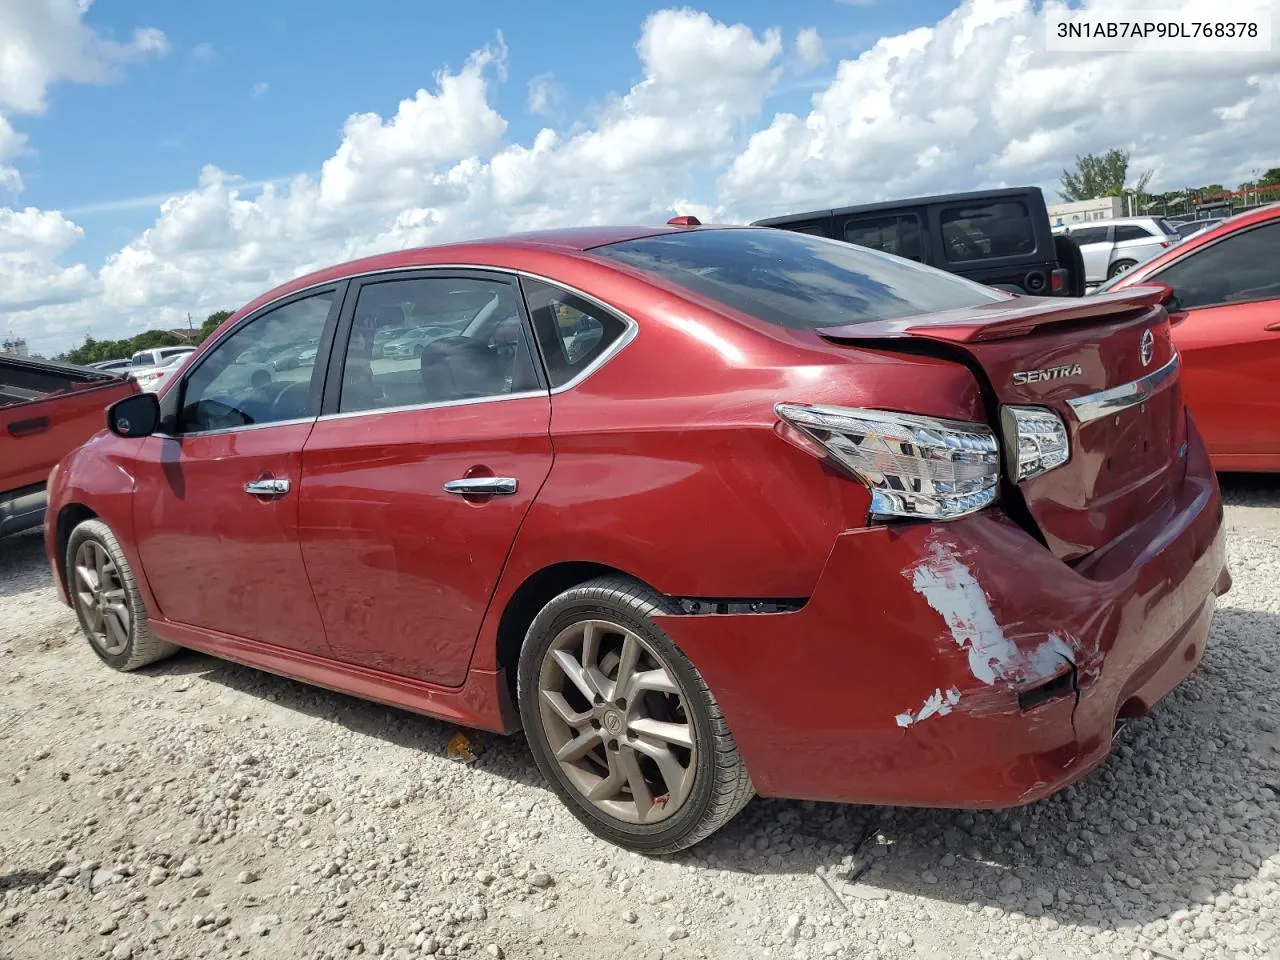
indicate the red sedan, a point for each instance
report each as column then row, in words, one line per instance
column 707, row 511
column 1224, row 304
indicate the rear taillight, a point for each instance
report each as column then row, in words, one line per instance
column 1058, row 280
column 915, row 467
column 1035, row 441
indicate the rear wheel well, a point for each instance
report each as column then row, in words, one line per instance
column 530, row 597
column 69, row 517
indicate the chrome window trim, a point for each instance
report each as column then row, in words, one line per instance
column 241, row 429
column 1095, row 406
column 432, row 405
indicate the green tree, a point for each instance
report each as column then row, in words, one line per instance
column 1271, row 178
column 94, row 351
column 211, row 323
column 1096, row 176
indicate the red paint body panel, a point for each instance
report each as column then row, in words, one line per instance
column 216, row 557
column 669, row 464
column 812, row 697
column 402, row 570
column 1230, row 357
column 36, row 435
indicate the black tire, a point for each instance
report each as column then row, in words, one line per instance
column 1072, row 260
column 720, row 786
column 1121, row 266
column 142, row 647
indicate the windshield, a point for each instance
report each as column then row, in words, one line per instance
column 795, row 280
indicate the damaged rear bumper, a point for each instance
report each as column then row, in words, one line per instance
column 961, row 664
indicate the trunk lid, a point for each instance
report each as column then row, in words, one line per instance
column 1085, row 359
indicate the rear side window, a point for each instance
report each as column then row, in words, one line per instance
column 791, row 280
column 572, row 332
column 144, row 359
column 1169, row 229
column 1131, row 231
column 979, row 231
column 1085, row 235
column 898, row 234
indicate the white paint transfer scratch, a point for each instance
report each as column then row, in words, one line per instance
column 937, row 703
column 950, row 587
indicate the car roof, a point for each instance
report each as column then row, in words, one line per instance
column 501, row 251
column 969, row 197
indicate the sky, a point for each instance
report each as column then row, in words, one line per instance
column 161, row 159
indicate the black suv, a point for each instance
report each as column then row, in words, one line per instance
column 998, row 237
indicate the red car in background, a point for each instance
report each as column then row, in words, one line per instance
column 47, row 409
column 706, row 511
column 1224, row 305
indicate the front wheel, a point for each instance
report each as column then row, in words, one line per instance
column 1121, row 266
column 106, row 600
column 622, row 725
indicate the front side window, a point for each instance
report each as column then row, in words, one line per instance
column 898, row 234
column 264, row 372
column 1131, row 231
column 572, row 331
column 791, row 280
column 978, row 231
column 1238, row 269
column 435, row 340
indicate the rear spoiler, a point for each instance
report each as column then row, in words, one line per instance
column 1002, row 320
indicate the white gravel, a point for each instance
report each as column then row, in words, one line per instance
column 201, row 809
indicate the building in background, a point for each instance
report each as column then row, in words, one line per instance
column 1100, row 208
column 16, row 347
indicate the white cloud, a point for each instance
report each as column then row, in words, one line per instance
column 203, row 52
column 259, row 89
column 545, row 95
column 809, row 48
column 973, row 100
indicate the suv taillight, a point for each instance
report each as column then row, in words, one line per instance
column 915, row 467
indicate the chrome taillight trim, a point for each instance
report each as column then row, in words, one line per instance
column 1095, row 406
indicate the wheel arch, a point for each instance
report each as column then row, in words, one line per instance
column 535, row 592
column 70, row 516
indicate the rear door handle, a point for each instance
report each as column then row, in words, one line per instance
column 272, row 487
column 482, row 486
column 1273, row 327
column 25, row 428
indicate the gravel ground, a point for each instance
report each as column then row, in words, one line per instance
column 200, row 809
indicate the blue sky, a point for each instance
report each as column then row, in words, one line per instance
column 154, row 129
column 405, row 123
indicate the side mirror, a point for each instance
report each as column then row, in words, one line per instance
column 135, row 416
column 1169, row 299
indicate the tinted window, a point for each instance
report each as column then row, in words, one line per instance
column 812, row 228
column 1169, row 229
column 264, row 372
column 981, row 230
column 898, row 234
column 144, row 359
column 1083, row 235
column 1238, row 269
column 1132, row 231
column 435, row 340
column 791, row 280
column 572, row 332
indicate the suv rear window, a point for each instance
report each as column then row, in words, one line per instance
column 978, row 231
column 793, row 280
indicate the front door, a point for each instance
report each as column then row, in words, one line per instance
column 1228, row 332
column 216, row 497
column 418, row 476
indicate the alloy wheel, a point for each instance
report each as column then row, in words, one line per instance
column 101, row 598
column 616, row 721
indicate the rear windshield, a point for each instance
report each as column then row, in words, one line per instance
column 798, row 281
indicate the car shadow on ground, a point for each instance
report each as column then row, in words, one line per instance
column 22, row 564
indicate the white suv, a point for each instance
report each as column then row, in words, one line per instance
column 1110, row 247
column 157, row 355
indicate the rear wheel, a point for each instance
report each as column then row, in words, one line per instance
column 1121, row 266
column 106, row 600
column 622, row 725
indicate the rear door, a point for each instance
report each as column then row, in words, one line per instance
column 416, row 479
column 1228, row 331
column 1135, row 243
column 1095, row 247
column 902, row 233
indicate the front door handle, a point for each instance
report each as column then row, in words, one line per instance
column 1272, row 327
column 27, row 428
column 272, row 487
column 482, row 486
